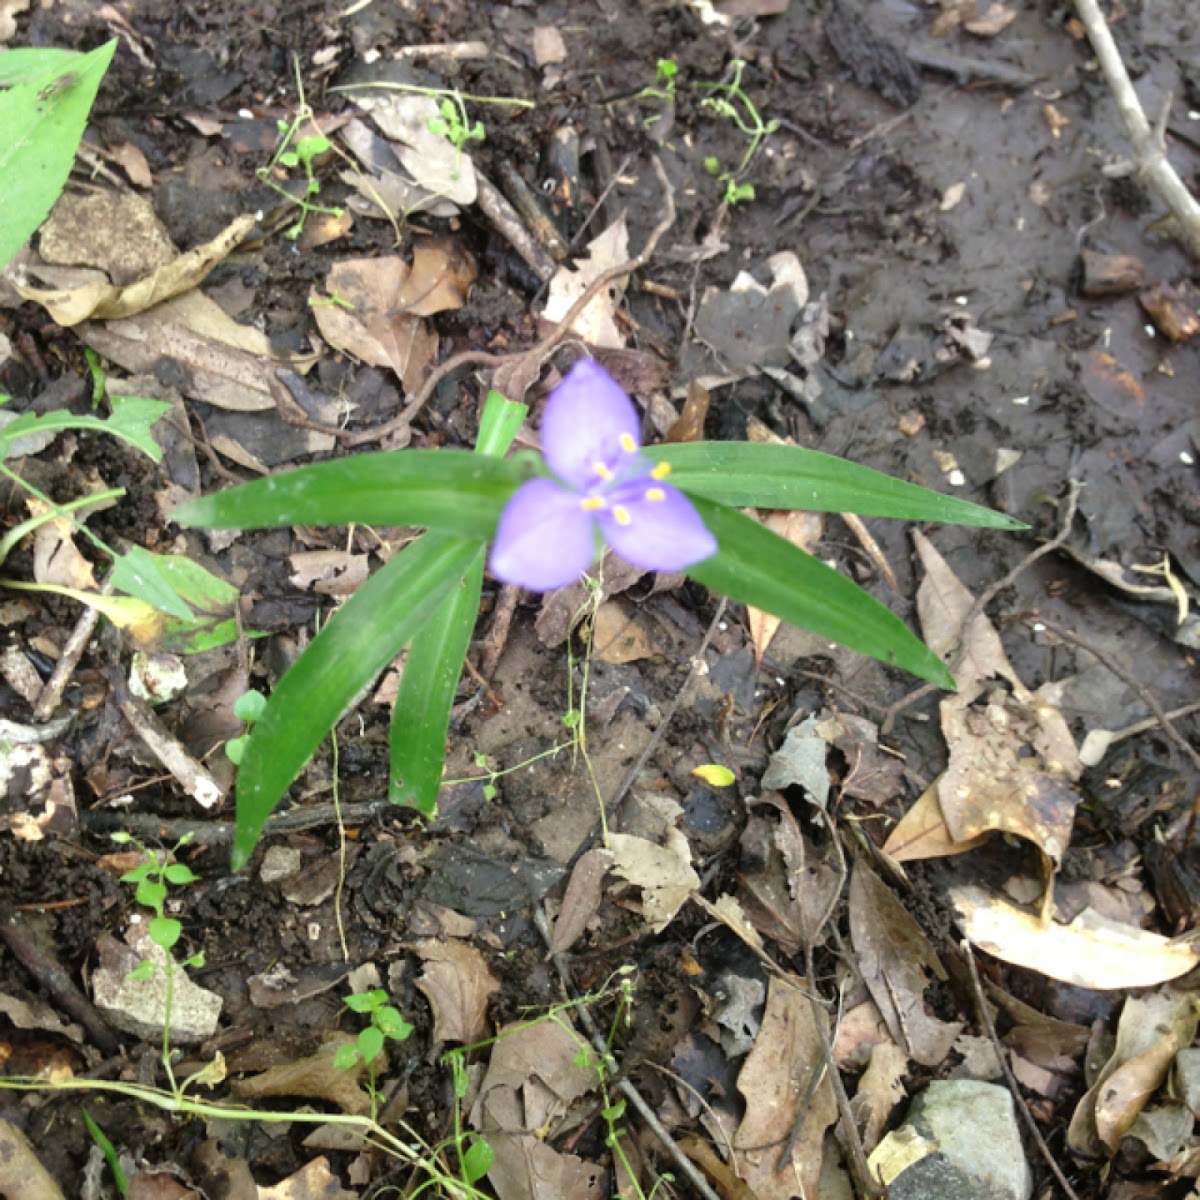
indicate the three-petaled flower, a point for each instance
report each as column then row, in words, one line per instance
column 591, row 442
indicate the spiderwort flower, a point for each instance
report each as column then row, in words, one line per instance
column 590, row 439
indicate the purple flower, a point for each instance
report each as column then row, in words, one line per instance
column 590, row 438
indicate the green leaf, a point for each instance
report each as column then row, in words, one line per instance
column 249, row 706
column 393, row 1024
column 131, row 420
column 370, row 1043
column 140, row 872
column 151, row 893
column 365, row 634
column 23, row 65
column 765, row 476
column 235, row 749
column 453, row 491
column 477, row 1160
column 756, row 566
column 365, row 1002
column 41, row 123
column 180, row 873
column 421, row 714
column 137, row 574
column 345, row 1056
column 143, row 971
column 100, row 1138
column 164, row 931
column 213, row 602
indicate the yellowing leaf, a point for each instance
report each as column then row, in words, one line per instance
column 715, row 775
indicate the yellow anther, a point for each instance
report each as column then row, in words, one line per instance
column 628, row 444
column 602, row 471
column 661, row 470
column 592, row 503
column 655, row 494
column 621, row 514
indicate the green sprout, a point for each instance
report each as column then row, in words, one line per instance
column 386, row 1024
column 729, row 102
column 294, row 151
column 454, row 124
column 154, row 876
column 248, row 709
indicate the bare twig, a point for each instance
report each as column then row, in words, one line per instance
column 1149, row 151
column 985, row 1019
column 52, row 690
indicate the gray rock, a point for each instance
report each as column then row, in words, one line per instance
column 960, row 1141
column 139, row 1006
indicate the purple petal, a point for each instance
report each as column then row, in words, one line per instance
column 545, row 538
column 588, row 420
column 654, row 526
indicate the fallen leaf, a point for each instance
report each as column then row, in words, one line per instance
column 56, row 558
column 803, row 530
column 879, row 1091
column 664, row 873
column 158, row 1185
column 364, row 317
column 314, row 1181
column 458, row 984
column 312, row 1078
column 328, row 572
column 689, row 425
column 779, row 1073
column 1151, row 1031
column 619, row 635
column 596, row 325
column 1090, row 952
column 922, row 833
column 133, row 162
column 581, row 900
column 895, row 957
column 995, row 20
column 441, row 276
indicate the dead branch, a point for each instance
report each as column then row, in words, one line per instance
column 1149, row 148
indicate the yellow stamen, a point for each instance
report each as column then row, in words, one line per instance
column 621, row 514
column 602, row 471
column 661, row 470
column 655, row 494
column 628, row 444
column 592, row 503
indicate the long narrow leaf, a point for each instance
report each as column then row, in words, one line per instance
column 360, row 640
column 421, row 715
column 41, row 123
column 758, row 567
column 452, row 491
column 744, row 473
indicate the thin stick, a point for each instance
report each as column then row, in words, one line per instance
column 985, row 1019
column 1149, row 151
column 64, row 669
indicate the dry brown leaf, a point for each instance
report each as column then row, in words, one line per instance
column 803, row 530
column 158, row 1186
column 363, row 317
column 689, row 426
column 1151, row 1031
column 894, row 956
column 581, row 900
column 988, row 24
column 56, row 558
column 227, row 364
column 879, row 1091
column 311, row 1078
column 860, row 1030
column 664, row 873
column 778, row 1072
column 328, row 572
column 441, row 276
column 458, row 985
column 314, row 1181
column 922, row 833
column 1090, row 952
column 118, row 233
column 133, row 162
column 942, row 604
column 96, row 299
column 729, row 912
column 619, row 635
column 596, row 324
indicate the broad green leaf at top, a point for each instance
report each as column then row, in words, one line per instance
column 768, row 476
column 131, row 421
column 42, row 120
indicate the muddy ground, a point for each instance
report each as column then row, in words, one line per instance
column 940, row 189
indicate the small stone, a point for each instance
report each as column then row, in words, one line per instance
column 139, row 1006
column 279, row 862
column 1173, row 310
column 1110, row 274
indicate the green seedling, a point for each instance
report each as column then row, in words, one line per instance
column 454, row 124
column 248, row 709
column 728, row 101
column 154, row 877
column 295, row 151
column 101, row 1139
column 386, row 1024
column 475, row 1156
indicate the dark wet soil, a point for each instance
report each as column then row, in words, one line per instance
column 926, row 197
